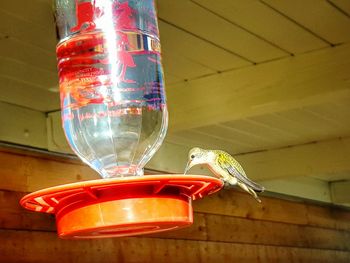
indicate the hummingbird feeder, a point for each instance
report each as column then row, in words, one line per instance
column 114, row 116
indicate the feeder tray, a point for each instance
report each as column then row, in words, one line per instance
column 122, row 206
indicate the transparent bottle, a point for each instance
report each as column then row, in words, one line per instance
column 114, row 112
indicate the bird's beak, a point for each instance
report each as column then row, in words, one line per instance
column 188, row 166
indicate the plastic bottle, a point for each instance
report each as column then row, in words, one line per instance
column 113, row 104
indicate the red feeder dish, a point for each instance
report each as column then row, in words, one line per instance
column 122, row 206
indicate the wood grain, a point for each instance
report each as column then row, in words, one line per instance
column 265, row 22
column 309, row 79
column 228, row 227
column 206, row 227
column 25, row 246
column 209, row 27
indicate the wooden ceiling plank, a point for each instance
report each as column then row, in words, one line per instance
column 178, row 41
column 305, row 125
column 340, row 192
column 189, row 16
column 342, row 4
column 231, row 142
column 262, row 89
column 248, row 132
column 333, row 112
column 265, row 22
column 43, row 37
column 313, row 127
column 25, row 95
column 35, row 11
column 333, row 177
column 212, row 141
column 281, row 123
column 28, row 73
column 327, row 124
column 22, row 126
column 232, row 135
column 171, row 79
column 272, row 136
column 24, row 52
column 326, row 158
column 317, row 15
column 271, row 129
column 180, row 66
column 305, row 187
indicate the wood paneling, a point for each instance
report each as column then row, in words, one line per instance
column 15, row 49
column 179, row 42
column 235, row 105
column 189, row 16
column 318, row 16
column 36, row 77
column 38, row 12
column 196, row 138
column 39, row 36
column 228, row 226
column 24, row 246
column 206, row 227
column 182, row 67
column 25, row 95
column 327, row 157
column 265, row 22
column 309, row 79
column 344, row 5
column 27, row 173
column 308, row 187
column 340, row 192
column 21, row 172
column 241, row 205
column 22, row 126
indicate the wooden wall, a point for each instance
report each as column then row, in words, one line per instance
column 228, row 227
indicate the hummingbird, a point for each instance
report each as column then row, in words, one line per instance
column 225, row 167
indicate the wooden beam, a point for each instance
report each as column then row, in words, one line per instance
column 340, row 192
column 301, row 186
column 309, row 79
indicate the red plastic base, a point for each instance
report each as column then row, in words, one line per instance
column 122, row 206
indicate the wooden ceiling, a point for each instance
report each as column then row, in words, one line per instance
column 246, row 76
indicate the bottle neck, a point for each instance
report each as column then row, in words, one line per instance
column 123, row 171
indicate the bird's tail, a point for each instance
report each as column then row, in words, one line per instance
column 256, row 187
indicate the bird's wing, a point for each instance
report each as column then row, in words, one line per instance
column 237, row 171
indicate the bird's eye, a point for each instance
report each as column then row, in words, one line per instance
column 192, row 156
